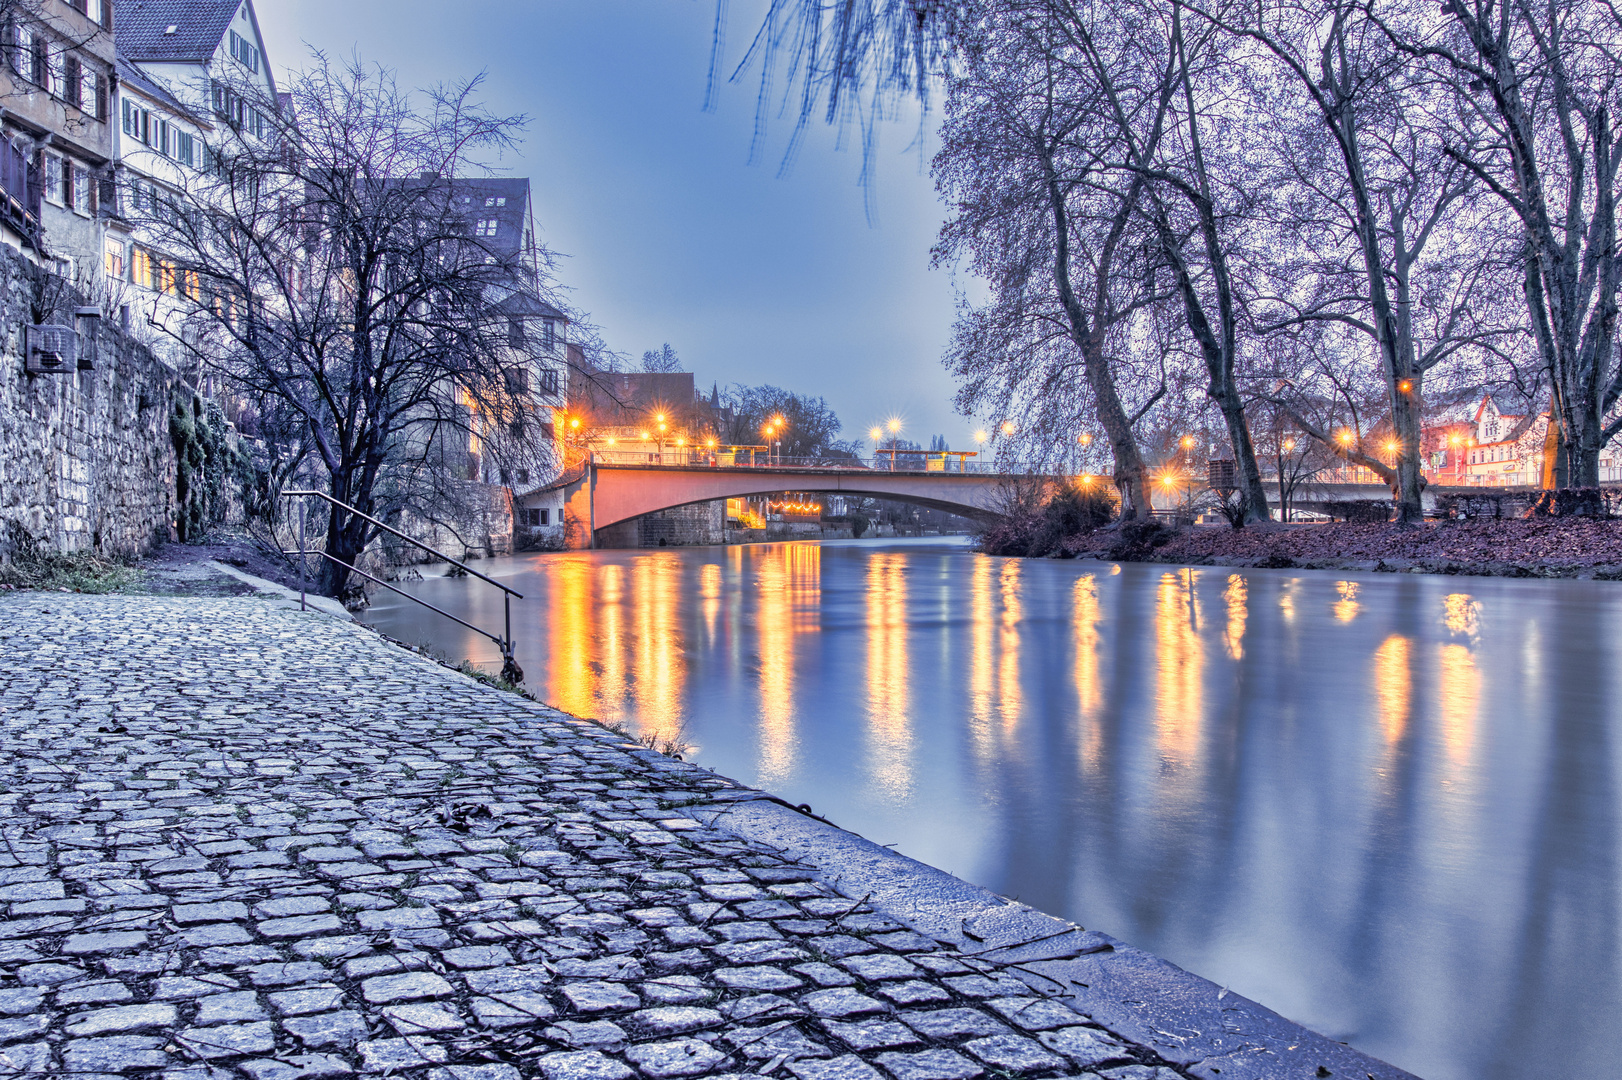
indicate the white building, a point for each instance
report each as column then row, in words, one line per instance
column 192, row 76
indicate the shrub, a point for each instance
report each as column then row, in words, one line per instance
column 1033, row 533
column 1138, row 539
column 1568, row 502
column 32, row 566
column 1359, row 511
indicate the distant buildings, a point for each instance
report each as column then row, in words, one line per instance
column 1493, row 446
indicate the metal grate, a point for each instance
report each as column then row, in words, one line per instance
column 52, row 350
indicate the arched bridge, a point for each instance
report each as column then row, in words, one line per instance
column 610, row 492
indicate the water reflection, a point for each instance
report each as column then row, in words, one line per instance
column 1346, row 607
column 1393, row 685
column 889, row 724
column 1381, row 804
column 1179, row 662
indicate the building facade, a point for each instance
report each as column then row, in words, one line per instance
column 56, row 89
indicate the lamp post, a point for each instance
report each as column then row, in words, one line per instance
column 1187, row 445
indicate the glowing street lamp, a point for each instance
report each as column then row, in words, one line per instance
column 895, row 425
column 774, row 434
column 1085, row 438
column 1008, row 427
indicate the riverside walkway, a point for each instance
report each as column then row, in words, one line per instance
column 240, row 840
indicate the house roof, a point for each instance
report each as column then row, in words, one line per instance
column 504, row 200
column 131, row 75
column 1507, row 407
column 198, row 27
column 143, row 31
column 527, row 306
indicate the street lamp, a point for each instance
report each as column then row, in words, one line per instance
column 773, row 432
column 1008, row 427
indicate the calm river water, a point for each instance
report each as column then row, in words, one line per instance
column 1386, row 806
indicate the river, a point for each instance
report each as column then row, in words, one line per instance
column 1384, row 805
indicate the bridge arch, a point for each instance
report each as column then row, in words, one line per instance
column 610, row 494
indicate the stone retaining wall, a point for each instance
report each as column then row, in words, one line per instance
column 86, row 458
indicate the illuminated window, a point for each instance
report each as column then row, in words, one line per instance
column 114, row 258
column 141, row 268
column 485, row 227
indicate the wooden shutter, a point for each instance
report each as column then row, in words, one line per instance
column 70, row 80
column 107, row 14
column 101, row 103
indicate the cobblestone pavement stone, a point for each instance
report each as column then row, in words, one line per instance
column 242, row 841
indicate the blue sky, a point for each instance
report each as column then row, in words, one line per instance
column 671, row 235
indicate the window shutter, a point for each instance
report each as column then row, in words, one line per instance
column 107, row 14
column 101, row 98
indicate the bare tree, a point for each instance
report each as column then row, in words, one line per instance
column 1040, row 215
column 1536, row 91
column 329, row 270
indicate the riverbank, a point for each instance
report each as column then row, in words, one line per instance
column 1535, row 547
column 249, row 840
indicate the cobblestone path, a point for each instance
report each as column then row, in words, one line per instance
column 244, row 841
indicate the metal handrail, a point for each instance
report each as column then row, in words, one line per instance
column 510, row 671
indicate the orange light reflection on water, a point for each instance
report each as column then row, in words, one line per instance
column 1393, row 686
column 1179, row 669
column 657, row 646
column 571, row 633
column 1085, row 617
column 790, row 586
column 889, row 726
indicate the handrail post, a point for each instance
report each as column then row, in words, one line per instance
column 301, row 559
column 591, row 500
column 510, row 671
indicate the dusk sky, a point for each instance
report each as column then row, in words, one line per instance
column 670, row 234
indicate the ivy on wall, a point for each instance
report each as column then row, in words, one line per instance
column 208, row 458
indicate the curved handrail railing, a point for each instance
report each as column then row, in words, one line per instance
column 510, row 671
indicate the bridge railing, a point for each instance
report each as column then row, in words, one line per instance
column 921, row 461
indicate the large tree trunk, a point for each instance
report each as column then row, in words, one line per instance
column 1226, row 395
column 1407, row 490
column 1088, row 330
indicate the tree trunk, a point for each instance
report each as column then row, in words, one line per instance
column 1407, row 489
column 1087, row 330
column 1227, row 398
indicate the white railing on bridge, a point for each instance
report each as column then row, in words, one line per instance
column 920, row 461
